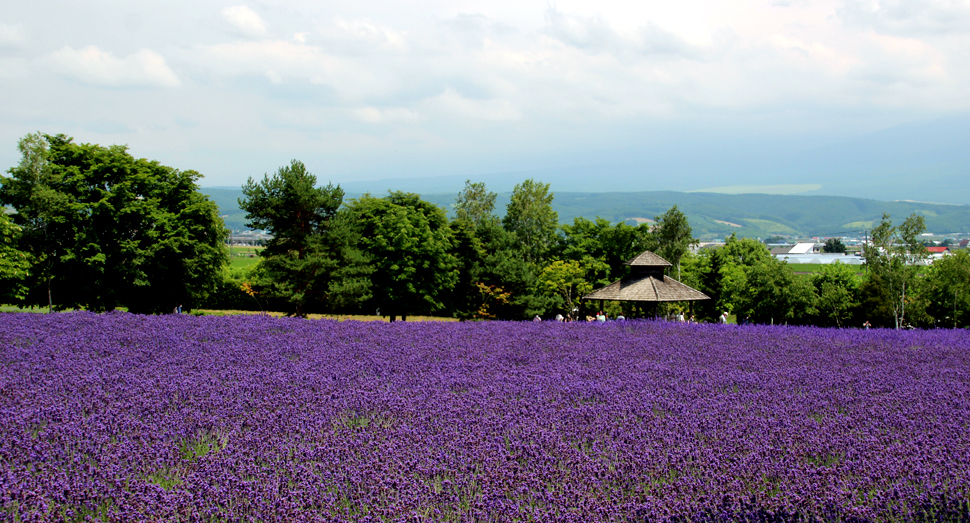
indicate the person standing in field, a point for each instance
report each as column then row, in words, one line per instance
column 724, row 317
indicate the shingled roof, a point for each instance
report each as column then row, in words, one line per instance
column 648, row 259
column 647, row 283
column 648, row 288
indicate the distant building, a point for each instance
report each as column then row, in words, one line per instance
column 798, row 249
column 803, row 248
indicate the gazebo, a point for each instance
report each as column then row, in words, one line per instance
column 647, row 283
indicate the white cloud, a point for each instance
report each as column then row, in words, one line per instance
column 94, row 66
column 291, row 62
column 597, row 35
column 12, row 36
column 391, row 114
column 14, row 67
column 495, row 110
column 909, row 17
column 488, row 78
column 244, row 21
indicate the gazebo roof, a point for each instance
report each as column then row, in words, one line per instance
column 647, row 288
column 648, row 259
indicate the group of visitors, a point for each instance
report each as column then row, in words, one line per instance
column 682, row 319
column 601, row 317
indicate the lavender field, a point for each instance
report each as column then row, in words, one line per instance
column 119, row 417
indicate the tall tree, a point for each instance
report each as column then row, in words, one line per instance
column 530, row 217
column 601, row 244
column 110, row 229
column 505, row 272
column 834, row 245
column 302, row 260
column 13, row 262
column 948, row 289
column 837, row 288
column 772, row 294
column 464, row 299
column 566, row 280
column 410, row 244
column 704, row 272
column 475, row 204
column 673, row 236
column 892, row 255
column 722, row 274
column 43, row 209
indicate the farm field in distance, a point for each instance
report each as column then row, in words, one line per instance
column 120, row 417
column 241, row 256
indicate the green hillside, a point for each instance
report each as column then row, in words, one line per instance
column 713, row 215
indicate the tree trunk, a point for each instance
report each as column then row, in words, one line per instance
column 902, row 308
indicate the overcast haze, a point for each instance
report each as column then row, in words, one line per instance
column 830, row 97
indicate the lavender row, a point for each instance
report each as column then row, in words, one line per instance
column 121, row 417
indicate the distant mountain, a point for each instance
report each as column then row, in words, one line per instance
column 711, row 215
column 927, row 161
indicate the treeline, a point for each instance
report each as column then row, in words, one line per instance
column 398, row 255
column 894, row 290
column 97, row 229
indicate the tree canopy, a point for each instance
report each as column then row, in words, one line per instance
column 530, row 217
column 312, row 257
column 674, row 237
column 104, row 229
column 891, row 256
column 14, row 263
column 409, row 243
column 834, row 245
column 475, row 204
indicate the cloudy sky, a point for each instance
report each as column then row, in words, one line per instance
column 379, row 89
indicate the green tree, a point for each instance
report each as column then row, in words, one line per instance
column 735, row 258
column 475, row 204
column 891, row 256
column 703, row 272
column 674, row 237
column 13, row 262
column 43, row 210
column 464, row 299
column 834, row 246
column 948, row 289
column 837, row 288
column 567, row 281
column 742, row 277
column 772, row 294
column 603, row 248
column 110, row 230
column 530, row 217
column 311, row 255
column 410, row 244
column 505, row 272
